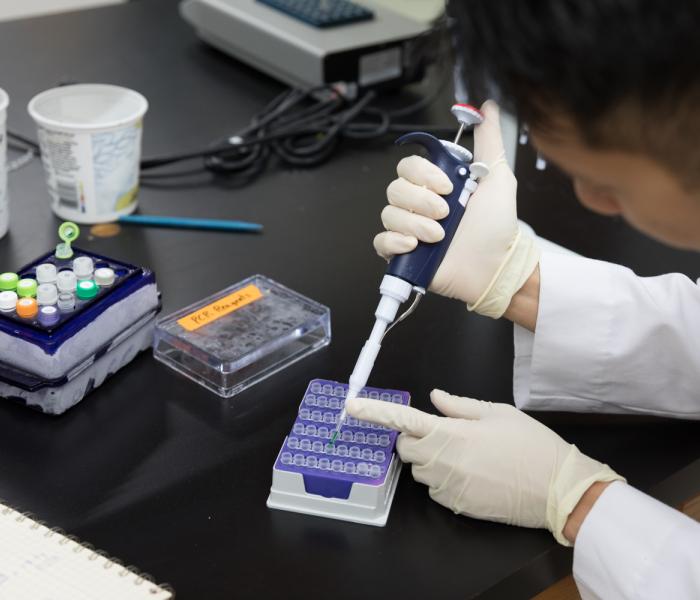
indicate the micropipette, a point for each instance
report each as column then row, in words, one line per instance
column 414, row 270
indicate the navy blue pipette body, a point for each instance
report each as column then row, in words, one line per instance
column 419, row 266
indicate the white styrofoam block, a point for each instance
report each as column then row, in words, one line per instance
column 56, row 400
column 87, row 341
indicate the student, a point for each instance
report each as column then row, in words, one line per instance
column 610, row 90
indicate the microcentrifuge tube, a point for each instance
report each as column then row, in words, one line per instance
column 8, row 301
column 48, row 315
column 104, row 276
column 66, row 302
column 86, row 289
column 66, row 281
column 83, row 267
column 8, row 282
column 27, row 308
column 26, row 288
column 46, row 294
column 46, row 273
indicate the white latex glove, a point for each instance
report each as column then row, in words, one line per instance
column 489, row 461
column 489, row 258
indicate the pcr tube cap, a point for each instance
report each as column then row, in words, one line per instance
column 46, row 294
column 66, row 281
column 26, row 288
column 46, row 273
column 48, row 315
column 104, row 276
column 8, row 301
column 8, row 282
column 83, row 267
column 87, row 289
column 27, row 308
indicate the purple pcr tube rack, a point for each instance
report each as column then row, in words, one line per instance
column 354, row 480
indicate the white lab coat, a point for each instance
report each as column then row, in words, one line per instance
column 608, row 341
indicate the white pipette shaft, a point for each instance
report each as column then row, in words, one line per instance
column 363, row 368
column 394, row 291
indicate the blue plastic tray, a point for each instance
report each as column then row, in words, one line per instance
column 128, row 279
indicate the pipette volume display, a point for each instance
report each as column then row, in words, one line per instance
column 415, row 270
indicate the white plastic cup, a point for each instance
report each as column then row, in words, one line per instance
column 4, row 201
column 90, row 138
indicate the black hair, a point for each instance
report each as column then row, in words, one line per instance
column 625, row 72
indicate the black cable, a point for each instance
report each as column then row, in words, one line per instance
column 302, row 128
column 27, row 144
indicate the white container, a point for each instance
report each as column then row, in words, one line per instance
column 4, row 201
column 90, row 138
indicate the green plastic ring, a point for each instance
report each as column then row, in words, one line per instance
column 68, row 232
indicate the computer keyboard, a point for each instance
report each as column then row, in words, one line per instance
column 322, row 13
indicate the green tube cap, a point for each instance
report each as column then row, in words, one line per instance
column 26, row 288
column 87, row 289
column 8, row 282
column 68, row 232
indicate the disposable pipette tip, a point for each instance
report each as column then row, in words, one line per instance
column 334, row 437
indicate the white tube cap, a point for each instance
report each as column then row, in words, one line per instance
column 8, row 301
column 104, row 276
column 46, row 273
column 83, row 267
column 46, row 294
column 66, row 281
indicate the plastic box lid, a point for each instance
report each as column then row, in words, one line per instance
column 241, row 335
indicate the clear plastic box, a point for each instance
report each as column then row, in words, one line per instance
column 241, row 335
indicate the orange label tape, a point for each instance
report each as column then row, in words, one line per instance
column 221, row 307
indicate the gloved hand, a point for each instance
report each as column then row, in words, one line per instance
column 489, row 258
column 489, row 461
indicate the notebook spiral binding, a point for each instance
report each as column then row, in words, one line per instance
column 140, row 578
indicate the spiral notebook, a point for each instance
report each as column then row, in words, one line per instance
column 39, row 563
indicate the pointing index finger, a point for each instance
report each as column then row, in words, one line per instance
column 396, row 416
